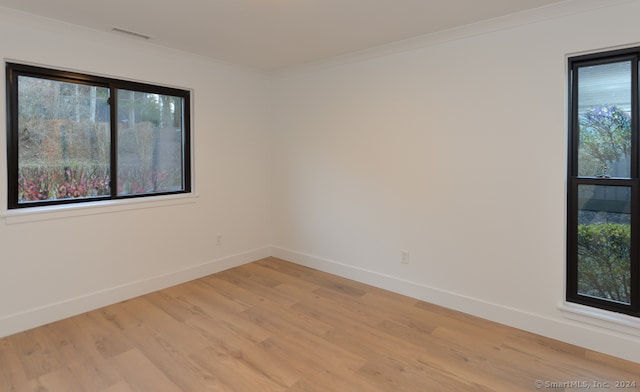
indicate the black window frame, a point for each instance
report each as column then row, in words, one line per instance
column 574, row 181
column 15, row 70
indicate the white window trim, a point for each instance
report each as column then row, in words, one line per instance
column 64, row 211
column 613, row 321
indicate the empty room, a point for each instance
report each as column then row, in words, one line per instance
column 306, row 195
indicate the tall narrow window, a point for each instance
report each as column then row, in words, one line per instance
column 603, row 182
column 75, row 137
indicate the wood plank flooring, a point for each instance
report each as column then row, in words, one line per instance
column 276, row 326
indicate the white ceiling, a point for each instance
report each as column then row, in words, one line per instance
column 274, row 34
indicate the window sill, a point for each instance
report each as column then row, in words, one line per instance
column 617, row 322
column 27, row 215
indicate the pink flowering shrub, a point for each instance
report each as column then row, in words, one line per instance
column 84, row 181
column 52, row 183
column 138, row 180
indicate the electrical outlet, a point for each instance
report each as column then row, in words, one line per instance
column 404, row 256
column 218, row 239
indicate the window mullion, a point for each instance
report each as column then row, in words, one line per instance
column 113, row 127
column 635, row 237
column 635, row 162
column 635, row 200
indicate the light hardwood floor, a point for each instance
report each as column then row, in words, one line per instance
column 276, row 326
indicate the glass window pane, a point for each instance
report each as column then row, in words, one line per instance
column 63, row 140
column 604, row 116
column 150, row 143
column 604, row 242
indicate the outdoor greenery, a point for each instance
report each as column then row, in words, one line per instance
column 57, row 182
column 604, row 252
column 604, row 269
column 64, row 141
column 605, row 138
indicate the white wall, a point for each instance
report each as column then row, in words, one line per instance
column 64, row 263
column 454, row 151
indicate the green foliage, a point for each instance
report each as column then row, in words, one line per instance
column 605, row 137
column 604, row 254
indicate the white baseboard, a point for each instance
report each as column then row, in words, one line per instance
column 601, row 339
column 625, row 346
column 35, row 317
